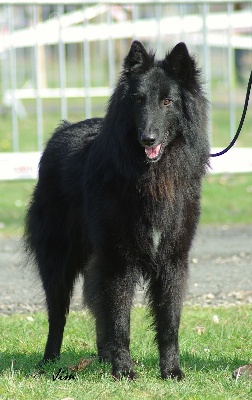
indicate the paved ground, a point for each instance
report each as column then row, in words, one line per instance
column 220, row 265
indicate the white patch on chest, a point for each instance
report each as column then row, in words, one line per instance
column 156, row 238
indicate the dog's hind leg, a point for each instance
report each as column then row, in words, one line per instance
column 58, row 286
column 58, row 301
column 166, row 296
column 109, row 296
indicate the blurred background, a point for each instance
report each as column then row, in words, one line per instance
column 61, row 59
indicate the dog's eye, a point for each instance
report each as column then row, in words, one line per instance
column 167, row 101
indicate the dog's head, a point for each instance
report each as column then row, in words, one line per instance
column 157, row 90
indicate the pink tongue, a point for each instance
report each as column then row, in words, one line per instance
column 152, row 152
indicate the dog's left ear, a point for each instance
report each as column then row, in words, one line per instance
column 180, row 65
column 138, row 60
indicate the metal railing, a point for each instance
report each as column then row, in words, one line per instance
column 60, row 59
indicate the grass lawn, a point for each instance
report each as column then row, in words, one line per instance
column 226, row 199
column 207, row 359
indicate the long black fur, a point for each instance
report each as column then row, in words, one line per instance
column 119, row 198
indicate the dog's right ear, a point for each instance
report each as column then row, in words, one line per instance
column 138, row 60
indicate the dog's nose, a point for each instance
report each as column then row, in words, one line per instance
column 148, row 140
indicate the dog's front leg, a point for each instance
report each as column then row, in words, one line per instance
column 109, row 294
column 118, row 296
column 166, row 297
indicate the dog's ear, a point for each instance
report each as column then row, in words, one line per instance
column 180, row 65
column 138, row 60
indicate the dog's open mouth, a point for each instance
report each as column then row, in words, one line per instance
column 154, row 153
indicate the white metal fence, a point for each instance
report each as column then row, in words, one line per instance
column 60, row 59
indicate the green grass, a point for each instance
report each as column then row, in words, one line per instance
column 226, row 199
column 207, row 360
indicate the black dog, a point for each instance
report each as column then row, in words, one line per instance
column 119, row 198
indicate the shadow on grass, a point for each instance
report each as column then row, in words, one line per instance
column 25, row 365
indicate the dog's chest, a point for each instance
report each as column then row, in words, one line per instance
column 156, row 239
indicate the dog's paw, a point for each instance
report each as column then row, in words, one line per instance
column 174, row 373
column 122, row 365
column 127, row 373
column 123, row 370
